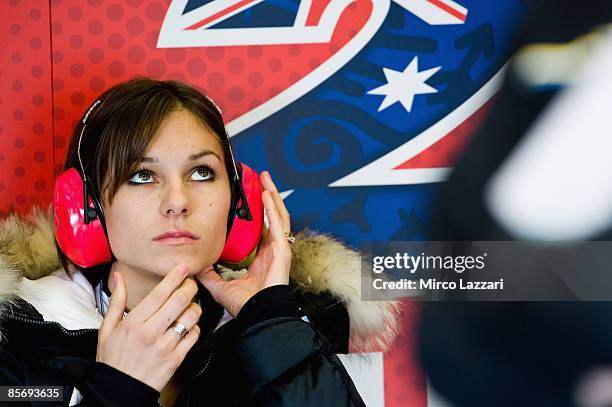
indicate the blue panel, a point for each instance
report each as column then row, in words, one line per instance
column 264, row 14
column 336, row 128
column 193, row 4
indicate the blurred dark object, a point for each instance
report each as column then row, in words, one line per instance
column 512, row 354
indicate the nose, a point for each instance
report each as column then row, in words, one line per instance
column 176, row 201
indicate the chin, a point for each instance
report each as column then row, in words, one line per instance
column 193, row 265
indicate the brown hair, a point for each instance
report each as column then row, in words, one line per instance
column 119, row 130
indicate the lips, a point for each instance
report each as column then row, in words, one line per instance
column 176, row 234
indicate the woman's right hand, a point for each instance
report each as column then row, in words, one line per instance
column 144, row 344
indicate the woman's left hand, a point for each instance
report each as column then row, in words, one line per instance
column 271, row 264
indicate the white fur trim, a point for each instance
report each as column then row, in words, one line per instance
column 319, row 263
column 322, row 263
column 58, row 298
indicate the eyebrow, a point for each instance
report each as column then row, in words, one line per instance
column 192, row 157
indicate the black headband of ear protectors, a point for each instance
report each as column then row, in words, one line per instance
column 97, row 211
column 238, row 203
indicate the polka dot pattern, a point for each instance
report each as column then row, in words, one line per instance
column 235, row 66
column 97, row 84
column 36, row 71
column 96, row 55
column 196, row 67
column 95, row 27
column 136, row 55
column 135, row 26
column 26, row 155
column 16, row 57
column 38, row 128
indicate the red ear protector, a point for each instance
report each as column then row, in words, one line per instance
column 245, row 220
column 80, row 228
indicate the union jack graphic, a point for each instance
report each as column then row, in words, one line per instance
column 315, row 21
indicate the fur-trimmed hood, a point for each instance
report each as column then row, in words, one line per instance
column 319, row 264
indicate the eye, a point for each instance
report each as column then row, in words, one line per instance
column 204, row 173
column 141, row 177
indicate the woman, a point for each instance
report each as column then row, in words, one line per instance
column 160, row 161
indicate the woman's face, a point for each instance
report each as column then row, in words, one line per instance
column 181, row 186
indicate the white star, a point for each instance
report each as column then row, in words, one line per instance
column 403, row 86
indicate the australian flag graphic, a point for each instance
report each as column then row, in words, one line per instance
column 357, row 107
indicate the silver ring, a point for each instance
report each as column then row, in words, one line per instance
column 180, row 329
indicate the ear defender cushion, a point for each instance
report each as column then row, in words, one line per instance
column 85, row 245
column 245, row 234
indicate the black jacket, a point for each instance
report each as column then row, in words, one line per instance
column 269, row 355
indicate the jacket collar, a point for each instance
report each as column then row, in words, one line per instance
column 30, row 269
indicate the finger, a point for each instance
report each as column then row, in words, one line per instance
column 269, row 185
column 178, row 302
column 275, row 224
column 116, row 307
column 212, row 282
column 187, row 342
column 189, row 318
column 160, row 294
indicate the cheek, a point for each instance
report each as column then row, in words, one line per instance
column 214, row 214
column 126, row 225
column 218, row 211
